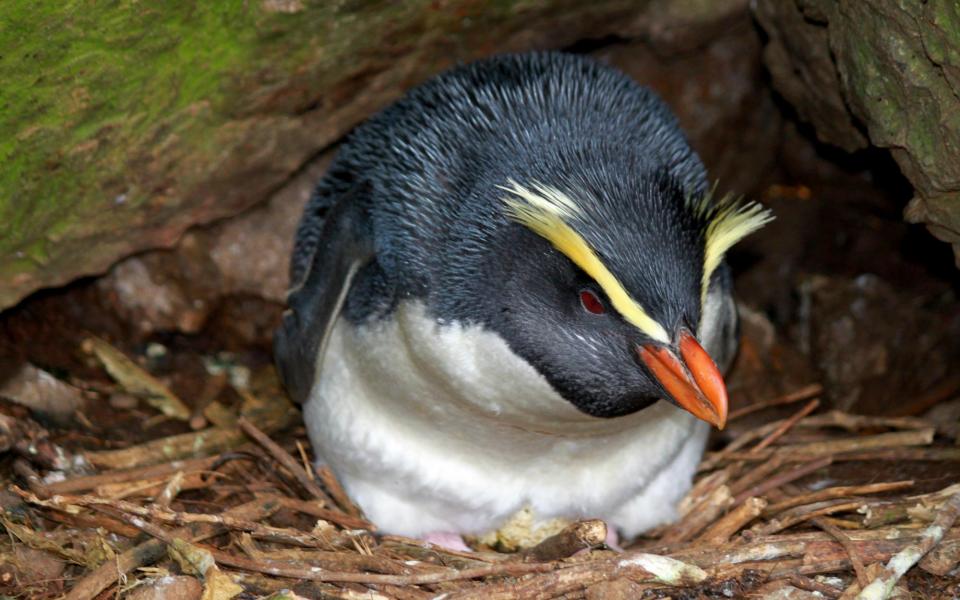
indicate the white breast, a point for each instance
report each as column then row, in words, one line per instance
column 444, row 428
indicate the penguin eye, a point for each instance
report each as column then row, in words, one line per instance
column 591, row 303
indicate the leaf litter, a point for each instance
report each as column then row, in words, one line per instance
column 237, row 506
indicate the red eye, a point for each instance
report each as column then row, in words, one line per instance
column 591, row 303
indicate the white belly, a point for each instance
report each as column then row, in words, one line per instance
column 436, row 428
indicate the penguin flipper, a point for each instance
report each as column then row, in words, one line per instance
column 342, row 248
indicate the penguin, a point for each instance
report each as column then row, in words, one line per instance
column 509, row 292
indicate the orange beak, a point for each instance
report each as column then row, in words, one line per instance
column 692, row 379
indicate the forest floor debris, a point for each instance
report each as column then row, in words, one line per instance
column 235, row 508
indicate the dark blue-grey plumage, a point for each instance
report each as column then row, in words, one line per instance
column 434, row 159
column 426, row 174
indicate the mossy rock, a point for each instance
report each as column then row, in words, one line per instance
column 883, row 70
column 124, row 123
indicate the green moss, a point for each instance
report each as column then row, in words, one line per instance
column 118, row 118
column 86, row 82
column 97, row 97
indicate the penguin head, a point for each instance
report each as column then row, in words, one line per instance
column 603, row 289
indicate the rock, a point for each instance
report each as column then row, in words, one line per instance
column 718, row 94
column 947, row 417
column 884, row 71
column 152, row 292
column 802, row 67
column 166, row 122
column 252, row 251
column 123, row 401
column 767, row 366
column 39, row 391
column 877, row 349
column 247, row 255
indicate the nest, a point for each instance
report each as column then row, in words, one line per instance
column 233, row 509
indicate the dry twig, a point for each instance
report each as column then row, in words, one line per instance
column 733, row 521
column 284, row 458
column 337, row 492
column 831, row 493
column 574, row 538
column 880, row 588
column 805, row 393
column 786, row 425
column 150, row 551
column 778, row 480
column 844, row 541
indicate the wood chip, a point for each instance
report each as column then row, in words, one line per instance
column 135, row 380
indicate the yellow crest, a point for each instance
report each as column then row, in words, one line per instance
column 547, row 211
column 729, row 220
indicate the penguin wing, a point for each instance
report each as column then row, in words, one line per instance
column 341, row 246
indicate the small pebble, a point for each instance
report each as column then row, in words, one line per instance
column 168, row 588
column 123, row 401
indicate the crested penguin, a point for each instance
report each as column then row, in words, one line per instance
column 508, row 292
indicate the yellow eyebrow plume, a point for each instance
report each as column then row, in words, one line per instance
column 545, row 211
column 730, row 220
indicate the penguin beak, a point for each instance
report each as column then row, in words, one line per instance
column 692, row 379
